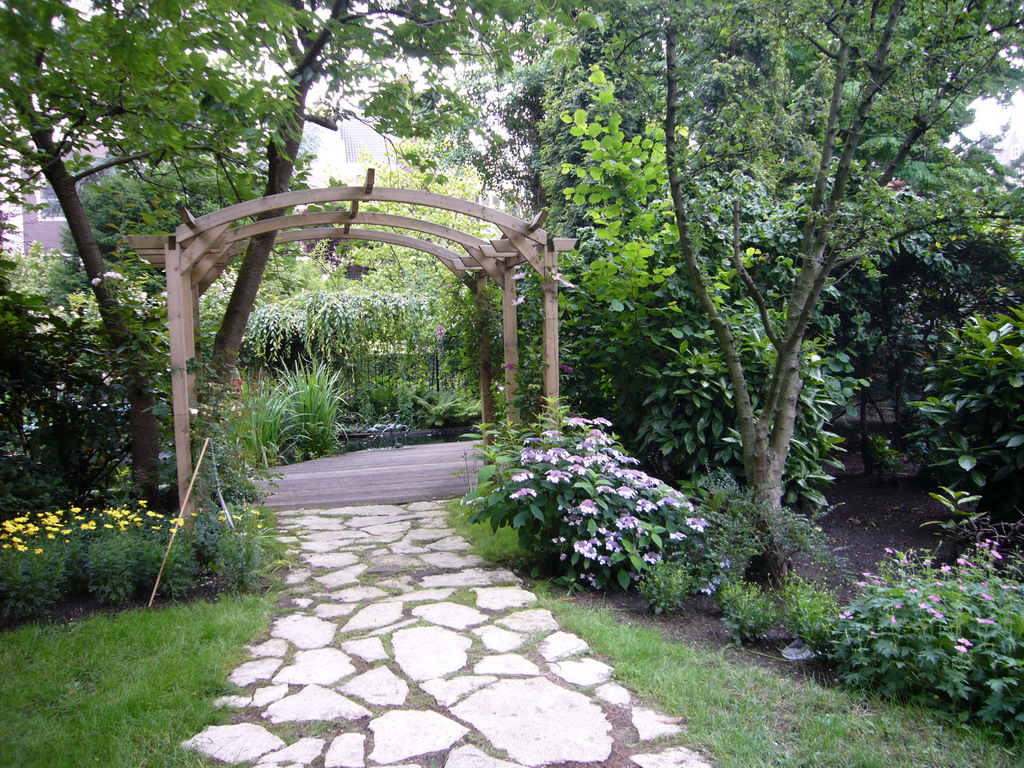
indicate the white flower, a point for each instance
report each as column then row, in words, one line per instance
column 96, row 280
column 113, row 275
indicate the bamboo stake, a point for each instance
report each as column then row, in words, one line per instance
column 179, row 521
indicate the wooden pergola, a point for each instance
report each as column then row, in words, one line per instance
column 202, row 248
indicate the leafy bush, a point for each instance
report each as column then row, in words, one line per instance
column 744, row 531
column 973, row 429
column 951, row 637
column 747, row 610
column 810, row 612
column 667, row 584
column 567, row 489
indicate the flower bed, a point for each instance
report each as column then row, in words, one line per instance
column 115, row 554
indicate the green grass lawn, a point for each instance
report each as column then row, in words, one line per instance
column 744, row 716
column 121, row 691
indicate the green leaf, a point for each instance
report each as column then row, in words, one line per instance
column 966, row 462
column 623, row 578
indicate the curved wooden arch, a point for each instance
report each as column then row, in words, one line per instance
column 202, row 247
column 251, row 208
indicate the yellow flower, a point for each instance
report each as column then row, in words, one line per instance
column 37, row 551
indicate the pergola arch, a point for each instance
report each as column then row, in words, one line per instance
column 201, row 248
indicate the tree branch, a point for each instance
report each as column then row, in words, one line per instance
column 755, row 292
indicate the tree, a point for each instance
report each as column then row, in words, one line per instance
column 892, row 70
column 140, row 82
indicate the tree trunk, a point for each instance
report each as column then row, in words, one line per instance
column 129, row 346
column 281, row 157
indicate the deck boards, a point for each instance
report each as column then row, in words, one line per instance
column 396, row 476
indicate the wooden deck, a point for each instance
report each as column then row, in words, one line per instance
column 395, row 476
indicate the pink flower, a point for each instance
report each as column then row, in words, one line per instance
column 986, row 596
column 965, row 641
column 986, row 621
column 935, row 598
column 961, row 648
column 892, row 619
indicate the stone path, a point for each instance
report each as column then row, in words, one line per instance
column 397, row 648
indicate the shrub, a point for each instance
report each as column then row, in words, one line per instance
column 569, row 492
column 973, row 429
column 743, row 531
column 31, row 579
column 667, row 584
column 951, row 637
column 810, row 611
column 747, row 610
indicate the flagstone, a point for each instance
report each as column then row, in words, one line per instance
column 358, row 594
column 451, row 615
column 297, row 576
column 427, row 652
column 274, row 647
column 450, row 544
column 304, row 632
column 374, row 616
column 680, row 757
column 471, row 757
column 429, row 534
column 322, row 546
column 267, row 695
column 234, row 743
column 334, row 610
column 499, row 640
column 302, row 752
column 238, row 702
column 447, row 692
column 387, row 529
column 471, row 577
column 615, row 694
column 505, row 664
column 402, row 548
column 651, row 725
column 314, row 703
column 302, row 602
column 450, row 560
column 336, row 579
column 379, row 686
column 563, row 725
column 251, row 671
column 401, row 734
column 367, row 649
column 423, row 506
column 503, row 598
column 322, row 666
column 561, row 645
column 335, row 535
column 534, row 620
column 420, row 596
column 346, row 751
column 393, row 627
column 331, row 560
column 583, row 672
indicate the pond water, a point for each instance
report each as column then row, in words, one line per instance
column 360, row 441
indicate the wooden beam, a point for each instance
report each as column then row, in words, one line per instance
column 494, row 269
column 537, row 221
column 510, row 338
column 526, row 249
column 484, row 354
column 182, row 342
column 564, row 243
column 368, row 186
column 188, row 218
column 549, row 299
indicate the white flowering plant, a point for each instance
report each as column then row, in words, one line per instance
column 579, row 503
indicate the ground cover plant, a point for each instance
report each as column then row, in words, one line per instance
column 579, row 504
column 115, row 554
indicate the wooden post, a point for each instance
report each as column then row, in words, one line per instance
column 510, row 336
column 486, row 374
column 549, row 287
column 182, row 338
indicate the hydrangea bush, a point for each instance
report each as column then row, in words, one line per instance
column 949, row 636
column 578, row 501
